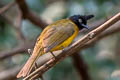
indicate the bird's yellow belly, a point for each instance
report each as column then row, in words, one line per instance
column 68, row 41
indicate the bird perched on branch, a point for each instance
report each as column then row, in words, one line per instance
column 55, row 36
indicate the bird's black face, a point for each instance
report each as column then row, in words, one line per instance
column 81, row 21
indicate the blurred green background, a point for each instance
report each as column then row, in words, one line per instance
column 102, row 58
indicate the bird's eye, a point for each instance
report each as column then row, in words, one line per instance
column 80, row 21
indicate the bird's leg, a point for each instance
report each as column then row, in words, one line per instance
column 36, row 66
column 53, row 54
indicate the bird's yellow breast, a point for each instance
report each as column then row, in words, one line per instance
column 68, row 41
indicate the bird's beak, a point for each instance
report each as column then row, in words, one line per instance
column 85, row 26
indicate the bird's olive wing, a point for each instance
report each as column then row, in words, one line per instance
column 56, row 35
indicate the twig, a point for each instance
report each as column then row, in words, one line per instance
column 75, row 47
column 5, row 8
column 18, row 26
column 113, row 29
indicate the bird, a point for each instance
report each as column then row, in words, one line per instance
column 55, row 36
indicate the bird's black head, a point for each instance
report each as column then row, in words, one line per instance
column 81, row 20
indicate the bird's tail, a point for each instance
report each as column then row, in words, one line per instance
column 31, row 62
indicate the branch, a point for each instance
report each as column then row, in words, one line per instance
column 74, row 47
column 9, row 74
column 81, row 66
column 20, row 49
column 27, row 14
